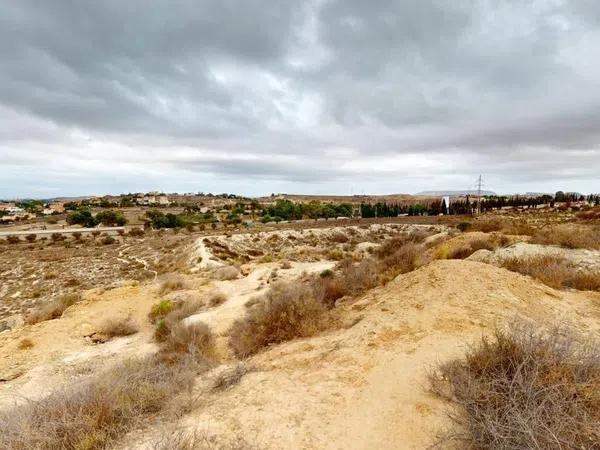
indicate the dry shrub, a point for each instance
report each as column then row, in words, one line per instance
column 488, row 224
column 172, row 283
column 136, row 232
column 554, row 271
column 467, row 250
column 525, row 388
column 550, row 270
column 285, row 265
column 584, row 280
column 216, row 298
column 288, row 311
column 338, row 237
column 588, row 214
column 226, row 273
column 53, row 309
column 391, row 246
column 95, row 413
column 25, row 344
column 188, row 340
column 185, row 309
column 125, row 326
column 569, row 236
column 406, row 259
column 229, row 377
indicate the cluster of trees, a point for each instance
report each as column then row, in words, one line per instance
column 157, row 219
column 594, row 199
column 160, row 220
column 288, row 210
column 368, row 210
column 83, row 216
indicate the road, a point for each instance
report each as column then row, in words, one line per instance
column 61, row 231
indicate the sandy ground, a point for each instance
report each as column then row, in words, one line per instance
column 365, row 387
column 361, row 386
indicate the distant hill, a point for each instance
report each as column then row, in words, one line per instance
column 453, row 193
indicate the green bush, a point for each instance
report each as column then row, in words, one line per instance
column 463, row 226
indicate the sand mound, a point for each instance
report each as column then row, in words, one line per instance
column 364, row 386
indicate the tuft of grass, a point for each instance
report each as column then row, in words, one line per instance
column 525, row 388
column 288, row 311
column 53, row 309
column 119, row 327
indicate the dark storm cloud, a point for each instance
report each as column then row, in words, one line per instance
column 301, row 92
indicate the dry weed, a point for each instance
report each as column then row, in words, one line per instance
column 288, row 311
column 569, row 236
column 525, row 388
column 94, row 413
column 172, row 283
column 554, row 271
column 125, row 326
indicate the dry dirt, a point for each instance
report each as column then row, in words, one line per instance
column 362, row 386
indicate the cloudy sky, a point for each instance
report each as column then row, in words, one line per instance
column 318, row 96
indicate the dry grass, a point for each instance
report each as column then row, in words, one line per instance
column 125, row 326
column 229, row 377
column 53, row 309
column 405, row 259
column 216, row 298
column 172, row 283
column 554, row 271
column 525, row 388
column 569, row 236
column 185, row 340
column 302, row 308
column 468, row 249
column 487, row 224
column 288, row 311
column 186, row 309
column 95, row 413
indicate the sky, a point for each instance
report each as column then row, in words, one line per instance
column 314, row 97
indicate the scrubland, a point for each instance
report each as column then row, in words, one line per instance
column 355, row 336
